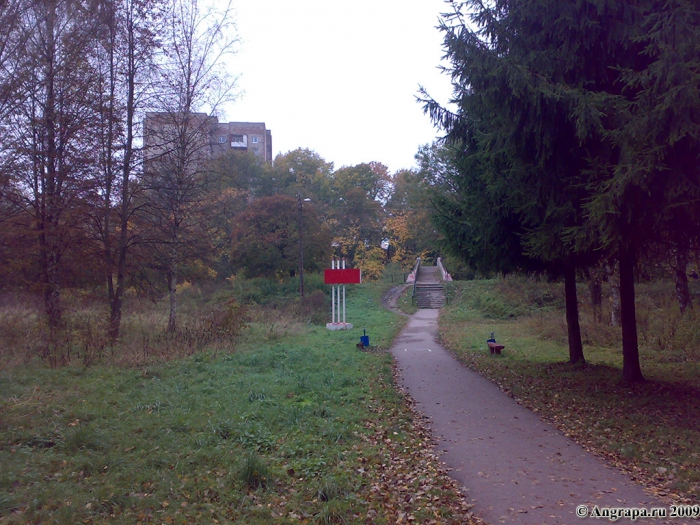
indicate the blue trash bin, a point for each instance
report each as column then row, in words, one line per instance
column 364, row 339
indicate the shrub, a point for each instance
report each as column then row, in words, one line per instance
column 314, row 308
column 371, row 262
column 83, row 438
column 332, row 515
column 328, row 490
column 254, row 472
column 265, row 291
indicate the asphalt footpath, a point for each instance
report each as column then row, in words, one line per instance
column 514, row 467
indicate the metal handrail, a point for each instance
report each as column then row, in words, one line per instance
column 417, row 269
column 445, row 279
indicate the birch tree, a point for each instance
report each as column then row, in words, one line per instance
column 50, row 134
column 128, row 41
column 193, row 84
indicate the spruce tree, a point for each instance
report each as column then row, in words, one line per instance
column 585, row 114
column 515, row 118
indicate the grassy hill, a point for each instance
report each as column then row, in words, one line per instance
column 286, row 423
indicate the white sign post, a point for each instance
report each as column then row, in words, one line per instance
column 338, row 276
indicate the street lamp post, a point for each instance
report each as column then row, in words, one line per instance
column 301, row 246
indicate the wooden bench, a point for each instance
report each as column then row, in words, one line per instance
column 495, row 347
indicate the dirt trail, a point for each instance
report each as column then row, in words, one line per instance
column 515, row 467
column 391, row 298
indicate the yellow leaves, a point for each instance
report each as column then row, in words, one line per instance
column 371, row 262
column 397, row 227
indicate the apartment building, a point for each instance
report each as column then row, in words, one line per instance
column 205, row 134
column 243, row 136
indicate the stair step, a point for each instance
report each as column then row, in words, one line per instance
column 430, row 295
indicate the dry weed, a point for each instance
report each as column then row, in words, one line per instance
column 20, row 335
column 549, row 326
column 143, row 339
column 274, row 323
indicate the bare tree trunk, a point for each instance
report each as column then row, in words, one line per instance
column 631, row 369
column 572, row 318
column 50, row 196
column 595, row 288
column 172, row 287
column 614, row 296
column 125, row 209
column 682, row 287
column 108, row 161
column 115, row 306
column 52, row 293
column 49, row 288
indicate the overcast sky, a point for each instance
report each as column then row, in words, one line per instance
column 340, row 77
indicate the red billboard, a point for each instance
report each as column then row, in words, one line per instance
column 342, row 276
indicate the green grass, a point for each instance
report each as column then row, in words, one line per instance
column 290, row 428
column 406, row 303
column 649, row 429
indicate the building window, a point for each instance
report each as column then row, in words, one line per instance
column 239, row 141
column 255, row 140
column 222, row 139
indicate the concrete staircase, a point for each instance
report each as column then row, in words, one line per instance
column 430, row 295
